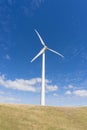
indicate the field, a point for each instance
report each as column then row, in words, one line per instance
column 26, row 117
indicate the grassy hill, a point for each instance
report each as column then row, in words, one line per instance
column 25, row 117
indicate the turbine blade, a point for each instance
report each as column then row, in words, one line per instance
column 56, row 52
column 38, row 55
column 40, row 37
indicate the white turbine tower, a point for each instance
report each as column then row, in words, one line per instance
column 43, row 65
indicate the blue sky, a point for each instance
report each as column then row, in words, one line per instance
column 63, row 27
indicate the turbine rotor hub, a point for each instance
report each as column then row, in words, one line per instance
column 45, row 48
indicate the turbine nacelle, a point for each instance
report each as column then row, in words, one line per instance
column 44, row 48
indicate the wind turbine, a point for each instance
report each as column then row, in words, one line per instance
column 42, row 52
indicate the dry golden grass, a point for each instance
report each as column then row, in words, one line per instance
column 25, row 117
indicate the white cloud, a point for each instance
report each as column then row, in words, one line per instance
column 9, row 99
column 51, row 88
column 68, row 92
column 55, row 94
column 19, row 84
column 6, row 97
column 69, row 86
column 32, row 85
column 36, row 3
column 81, row 93
column 7, row 57
column 1, row 92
